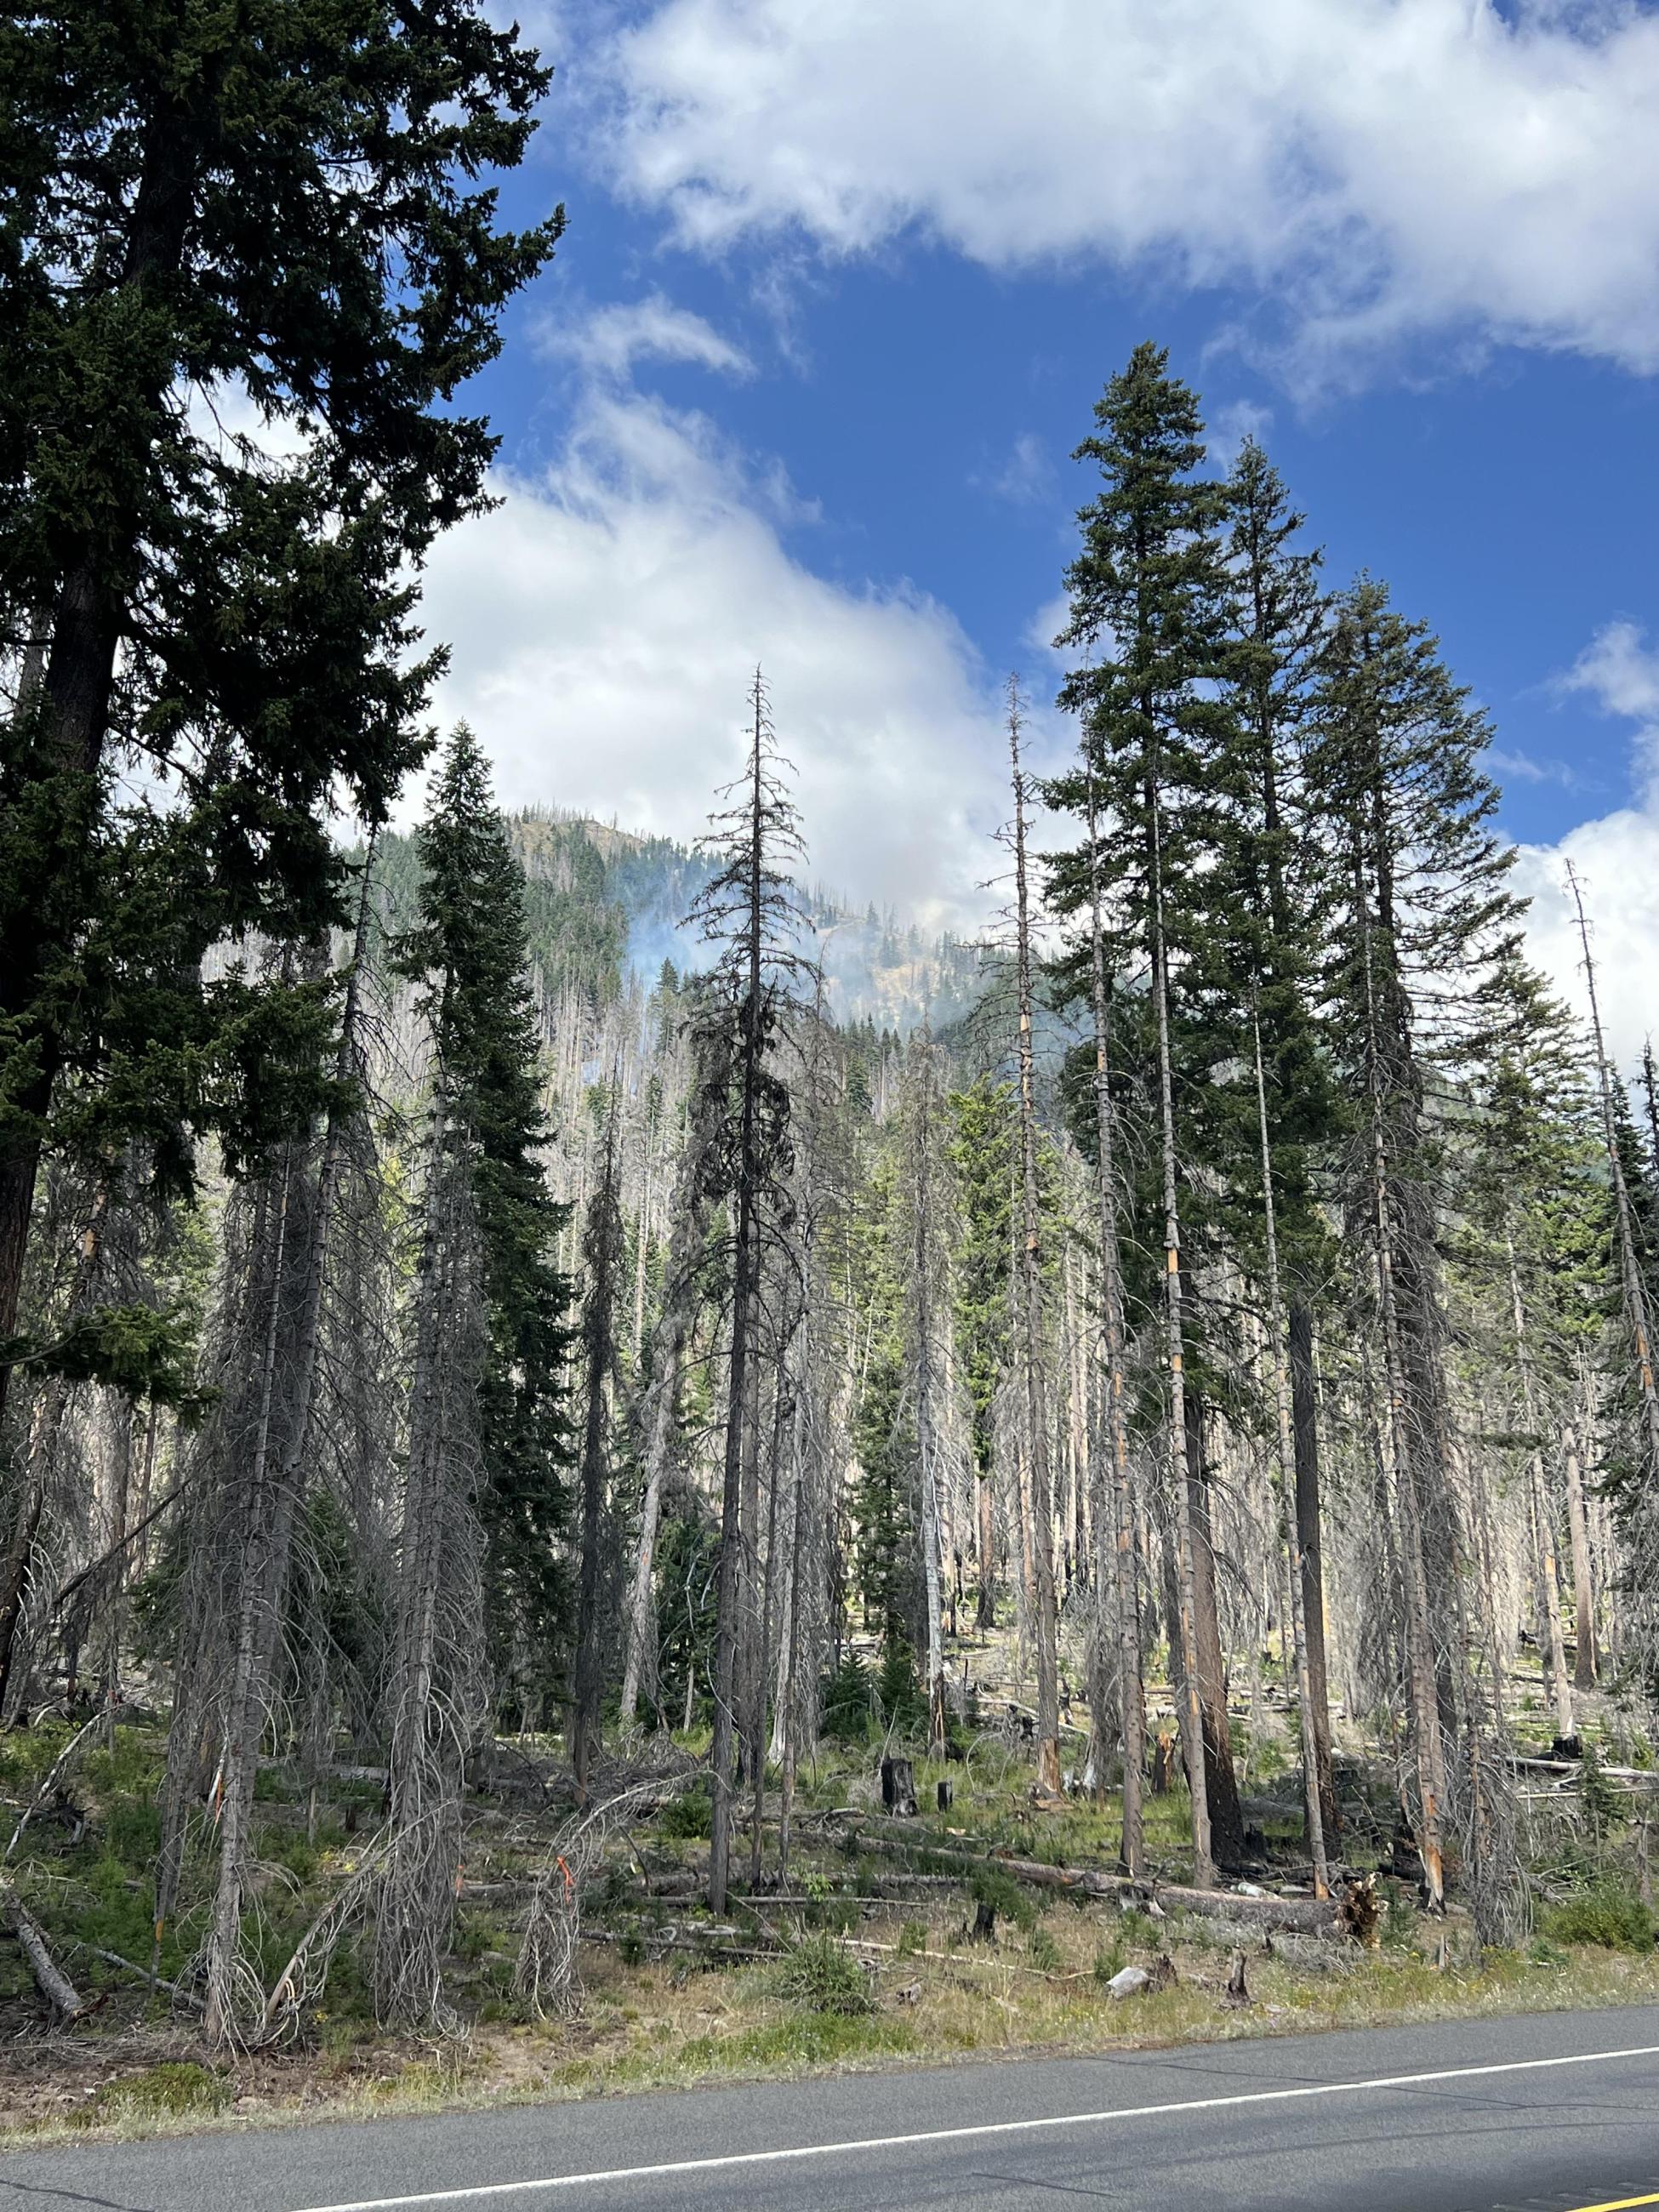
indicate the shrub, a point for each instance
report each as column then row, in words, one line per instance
column 821, row 1974
column 689, row 1816
column 1605, row 1915
column 991, row 1886
column 175, row 2086
column 1109, row 1959
column 847, row 1701
column 1043, row 1951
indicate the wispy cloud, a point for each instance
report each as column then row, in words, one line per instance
column 1522, row 768
column 1231, row 425
column 1025, row 477
column 608, row 341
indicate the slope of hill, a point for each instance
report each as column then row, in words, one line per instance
column 603, row 902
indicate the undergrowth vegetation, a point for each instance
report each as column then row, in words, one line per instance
column 881, row 1939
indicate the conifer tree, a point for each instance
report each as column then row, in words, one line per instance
column 1270, row 963
column 1149, row 599
column 486, row 1496
column 469, row 953
column 250, row 208
column 1421, row 923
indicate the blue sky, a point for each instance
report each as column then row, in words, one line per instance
column 843, row 280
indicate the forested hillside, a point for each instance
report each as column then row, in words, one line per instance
column 604, row 906
column 543, row 1366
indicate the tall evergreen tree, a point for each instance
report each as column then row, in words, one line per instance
column 1422, row 920
column 469, row 952
column 1148, row 605
column 1267, row 963
column 257, row 212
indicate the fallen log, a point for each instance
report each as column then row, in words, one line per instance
column 673, row 1939
column 1301, row 1915
column 53, row 1984
column 114, row 1958
column 1642, row 1777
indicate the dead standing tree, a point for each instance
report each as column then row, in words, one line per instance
column 1039, row 1519
column 603, row 1252
column 925, row 1271
column 676, row 1319
column 745, row 1007
column 436, row 1694
column 1638, row 1511
column 1124, row 1609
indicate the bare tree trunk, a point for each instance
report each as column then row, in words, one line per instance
column 238, row 1761
column 1548, row 1583
column 1309, row 1536
column 1220, row 1778
column 985, row 1601
column 602, row 1243
column 669, row 1341
column 1427, row 1739
column 17, row 1567
column 1031, row 1260
column 1192, row 1733
column 1642, row 1522
column 1125, row 1604
column 924, row 1263
column 1584, row 1669
column 434, row 1696
column 1313, row 1811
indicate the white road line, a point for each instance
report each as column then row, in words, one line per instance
column 963, row 2135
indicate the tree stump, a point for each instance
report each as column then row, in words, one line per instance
column 898, row 1788
column 1362, row 1910
column 985, row 1921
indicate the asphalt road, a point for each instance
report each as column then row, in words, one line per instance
column 1551, row 2113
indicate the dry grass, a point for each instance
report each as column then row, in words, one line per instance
column 657, row 2026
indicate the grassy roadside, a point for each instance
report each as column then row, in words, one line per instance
column 642, row 2031
column 874, row 1962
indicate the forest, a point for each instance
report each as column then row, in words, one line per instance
column 567, row 1403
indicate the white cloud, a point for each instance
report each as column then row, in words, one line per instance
column 608, row 341
column 1615, row 857
column 1378, row 169
column 1231, row 425
column 606, row 618
column 1026, row 475
column 1621, row 672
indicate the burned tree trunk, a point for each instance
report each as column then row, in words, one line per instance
column 1040, row 1517
column 1121, row 1609
column 602, row 1251
column 1310, row 1536
column 669, row 1340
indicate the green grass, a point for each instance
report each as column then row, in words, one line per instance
column 176, row 2089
